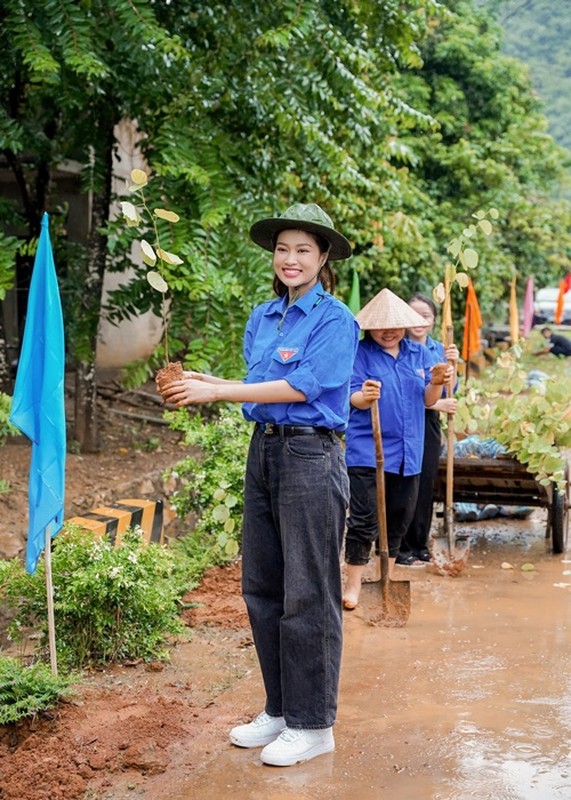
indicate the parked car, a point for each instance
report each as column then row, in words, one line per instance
column 545, row 303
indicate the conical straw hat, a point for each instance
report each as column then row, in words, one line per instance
column 387, row 310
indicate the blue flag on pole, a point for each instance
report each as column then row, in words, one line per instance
column 38, row 408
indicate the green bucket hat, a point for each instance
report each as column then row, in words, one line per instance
column 304, row 217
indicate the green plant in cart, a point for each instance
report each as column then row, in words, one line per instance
column 533, row 422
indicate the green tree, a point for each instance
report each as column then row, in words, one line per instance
column 489, row 149
column 285, row 103
column 70, row 72
column 400, row 119
column 242, row 109
column 538, row 32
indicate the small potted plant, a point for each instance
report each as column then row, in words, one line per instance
column 156, row 258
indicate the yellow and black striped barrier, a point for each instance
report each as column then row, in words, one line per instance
column 113, row 520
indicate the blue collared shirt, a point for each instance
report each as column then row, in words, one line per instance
column 436, row 350
column 311, row 345
column 403, row 381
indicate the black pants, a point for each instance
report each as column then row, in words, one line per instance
column 415, row 539
column 362, row 530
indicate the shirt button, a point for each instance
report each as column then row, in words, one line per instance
column 281, row 334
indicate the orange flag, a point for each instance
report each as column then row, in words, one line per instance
column 558, row 315
column 472, row 324
column 514, row 315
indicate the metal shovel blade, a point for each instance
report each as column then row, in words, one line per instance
column 394, row 608
column 449, row 560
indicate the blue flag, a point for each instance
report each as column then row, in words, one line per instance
column 38, row 404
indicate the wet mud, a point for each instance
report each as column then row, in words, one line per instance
column 472, row 699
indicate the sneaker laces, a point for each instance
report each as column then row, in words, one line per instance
column 262, row 719
column 290, row 734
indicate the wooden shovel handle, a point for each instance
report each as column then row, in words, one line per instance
column 450, row 433
column 381, row 497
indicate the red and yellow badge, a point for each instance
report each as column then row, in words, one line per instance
column 287, row 353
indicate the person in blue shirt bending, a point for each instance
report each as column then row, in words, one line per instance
column 400, row 373
column 299, row 350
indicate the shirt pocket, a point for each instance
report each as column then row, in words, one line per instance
column 417, row 377
column 287, row 357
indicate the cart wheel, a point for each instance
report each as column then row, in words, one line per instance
column 560, row 519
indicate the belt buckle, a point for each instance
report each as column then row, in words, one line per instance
column 269, row 428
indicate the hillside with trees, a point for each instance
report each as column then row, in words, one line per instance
column 538, row 32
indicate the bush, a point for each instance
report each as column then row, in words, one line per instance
column 110, row 603
column 524, row 408
column 26, row 690
column 212, row 486
column 6, row 427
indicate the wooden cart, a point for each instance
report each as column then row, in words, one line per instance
column 503, row 481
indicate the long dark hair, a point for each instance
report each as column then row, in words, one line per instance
column 326, row 274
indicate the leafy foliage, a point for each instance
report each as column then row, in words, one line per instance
column 6, row 427
column 110, row 603
column 532, row 419
column 213, row 483
column 24, row 691
column 153, row 254
column 462, row 249
column 398, row 118
column 489, row 149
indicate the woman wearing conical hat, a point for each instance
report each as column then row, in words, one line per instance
column 299, row 349
column 399, row 372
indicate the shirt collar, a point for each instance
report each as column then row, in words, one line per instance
column 305, row 303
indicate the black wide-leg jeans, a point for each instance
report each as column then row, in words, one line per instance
column 296, row 496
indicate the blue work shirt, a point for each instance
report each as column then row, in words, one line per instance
column 436, row 350
column 311, row 345
column 403, row 381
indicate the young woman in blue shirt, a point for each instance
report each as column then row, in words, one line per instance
column 414, row 545
column 399, row 372
column 299, row 349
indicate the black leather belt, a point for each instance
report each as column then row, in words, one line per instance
column 272, row 429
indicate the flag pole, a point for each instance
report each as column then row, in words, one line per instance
column 468, row 343
column 50, row 598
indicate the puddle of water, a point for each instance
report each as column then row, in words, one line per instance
column 470, row 700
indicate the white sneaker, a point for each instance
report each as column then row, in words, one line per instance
column 294, row 745
column 263, row 730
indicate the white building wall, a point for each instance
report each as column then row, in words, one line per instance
column 137, row 337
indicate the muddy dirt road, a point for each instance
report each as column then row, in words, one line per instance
column 471, row 700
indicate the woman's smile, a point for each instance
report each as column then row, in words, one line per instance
column 297, row 260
